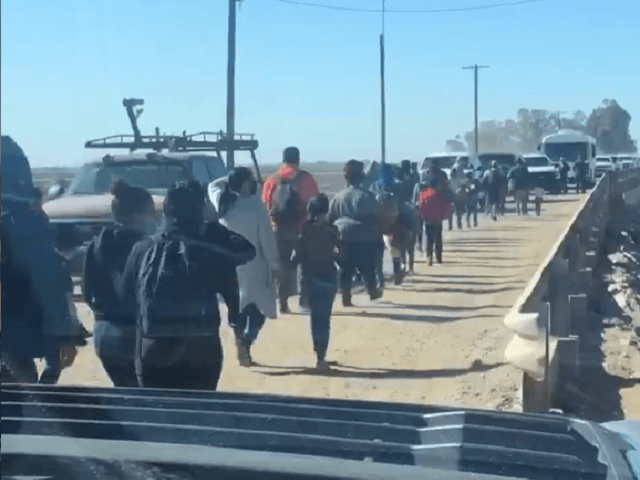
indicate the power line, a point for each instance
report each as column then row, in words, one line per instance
column 441, row 10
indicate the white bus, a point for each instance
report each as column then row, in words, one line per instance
column 571, row 145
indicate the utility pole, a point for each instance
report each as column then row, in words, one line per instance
column 559, row 123
column 231, row 85
column 383, row 126
column 475, row 83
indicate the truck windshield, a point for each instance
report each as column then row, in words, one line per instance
column 569, row 151
column 96, row 179
column 444, row 162
column 537, row 161
column 504, row 159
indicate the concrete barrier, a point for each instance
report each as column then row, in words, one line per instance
column 555, row 302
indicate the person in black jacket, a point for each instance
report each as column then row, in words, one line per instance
column 134, row 214
column 188, row 362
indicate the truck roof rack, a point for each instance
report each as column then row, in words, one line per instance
column 201, row 141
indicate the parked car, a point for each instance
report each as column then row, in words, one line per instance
column 542, row 170
column 85, row 207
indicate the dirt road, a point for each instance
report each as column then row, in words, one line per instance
column 439, row 338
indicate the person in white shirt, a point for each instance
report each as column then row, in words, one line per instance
column 538, row 193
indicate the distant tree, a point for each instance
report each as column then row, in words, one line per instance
column 609, row 125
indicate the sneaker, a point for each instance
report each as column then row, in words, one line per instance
column 284, row 308
column 244, row 354
column 377, row 294
column 322, row 367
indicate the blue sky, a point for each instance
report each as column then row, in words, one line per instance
column 305, row 76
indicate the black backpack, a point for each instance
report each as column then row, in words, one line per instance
column 172, row 290
column 286, row 205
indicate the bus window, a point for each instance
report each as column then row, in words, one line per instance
column 593, row 150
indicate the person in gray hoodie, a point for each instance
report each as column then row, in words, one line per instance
column 353, row 211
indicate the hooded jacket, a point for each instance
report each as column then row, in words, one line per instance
column 103, row 269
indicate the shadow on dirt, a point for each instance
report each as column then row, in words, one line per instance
column 345, row 371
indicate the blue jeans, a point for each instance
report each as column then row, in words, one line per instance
column 249, row 324
column 322, row 292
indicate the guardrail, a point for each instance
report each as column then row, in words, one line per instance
column 555, row 302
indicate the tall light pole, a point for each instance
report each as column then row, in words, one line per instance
column 383, row 126
column 231, row 85
column 475, row 89
column 559, row 122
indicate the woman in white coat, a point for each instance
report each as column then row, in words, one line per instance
column 241, row 210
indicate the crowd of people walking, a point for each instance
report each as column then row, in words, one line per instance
column 154, row 291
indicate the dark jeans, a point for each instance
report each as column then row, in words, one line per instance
column 408, row 250
column 434, row 240
column 322, row 292
column 51, row 371
column 287, row 280
column 249, row 324
column 197, row 366
column 538, row 206
column 115, row 346
column 472, row 211
column 459, row 208
column 581, row 185
column 360, row 256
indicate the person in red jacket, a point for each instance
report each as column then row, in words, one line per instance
column 287, row 235
column 433, row 203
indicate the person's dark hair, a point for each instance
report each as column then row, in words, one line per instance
column 405, row 166
column 37, row 194
column 318, row 205
column 232, row 187
column 185, row 202
column 414, row 166
column 291, row 156
column 433, row 182
column 354, row 172
column 129, row 200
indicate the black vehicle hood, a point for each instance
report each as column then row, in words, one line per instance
column 260, row 436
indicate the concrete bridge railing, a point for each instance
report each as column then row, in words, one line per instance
column 555, row 302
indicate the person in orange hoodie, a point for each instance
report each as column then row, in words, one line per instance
column 286, row 195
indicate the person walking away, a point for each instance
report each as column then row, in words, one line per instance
column 353, row 212
column 458, row 184
column 473, row 188
column 416, row 179
column 432, row 203
column 134, row 215
column 581, row 169
column 519, row 176
column 35, row 310
column 493, row 182
column 171, row 281
column 392, row 220
column 538, row 193
column 317, row 252
column 286, row 195
column 240, row 210
column 406, row 187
